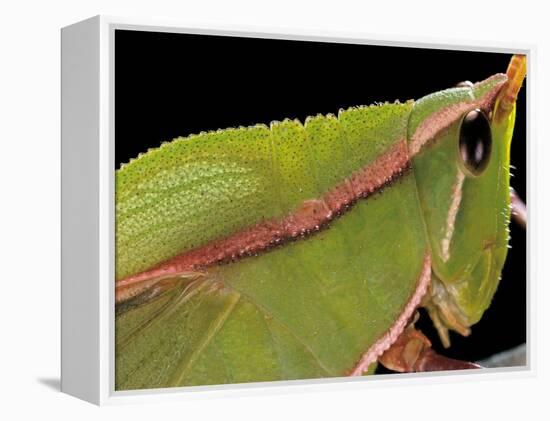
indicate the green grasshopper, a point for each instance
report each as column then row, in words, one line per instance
column 255, row 253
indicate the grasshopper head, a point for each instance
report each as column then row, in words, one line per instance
column 460, row 141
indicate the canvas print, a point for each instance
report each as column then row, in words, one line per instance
column 290, row 209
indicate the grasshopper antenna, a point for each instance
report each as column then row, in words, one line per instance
column 519, row 210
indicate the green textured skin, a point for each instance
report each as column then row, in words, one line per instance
column 196, row 189
column 308, row 309
column 312, row 307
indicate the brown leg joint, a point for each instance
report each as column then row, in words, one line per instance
column 412, row 352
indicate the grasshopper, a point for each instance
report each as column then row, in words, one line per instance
column 303, row 250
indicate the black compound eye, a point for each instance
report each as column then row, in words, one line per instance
column 475, row 141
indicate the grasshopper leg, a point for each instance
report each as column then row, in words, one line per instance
column 412, row 352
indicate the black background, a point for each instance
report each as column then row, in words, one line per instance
column 169, row 85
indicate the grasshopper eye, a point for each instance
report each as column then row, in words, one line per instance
column 475, row 142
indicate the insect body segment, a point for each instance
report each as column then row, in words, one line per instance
column 260, row 176
column 462, row 176
column 333, row 273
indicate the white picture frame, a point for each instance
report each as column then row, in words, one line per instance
column 88, row 214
